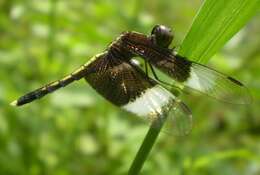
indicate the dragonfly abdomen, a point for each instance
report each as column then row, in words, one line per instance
column 48, row 88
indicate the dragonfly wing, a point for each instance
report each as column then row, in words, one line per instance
column 195, row 76
column 176, row 120
column 127, row 86
column 217, row 85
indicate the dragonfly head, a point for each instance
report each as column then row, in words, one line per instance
column 161, row 36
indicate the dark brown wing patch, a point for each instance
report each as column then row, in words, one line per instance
column 177, row 68
column 117, row 80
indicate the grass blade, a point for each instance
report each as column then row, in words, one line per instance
column 216, row 22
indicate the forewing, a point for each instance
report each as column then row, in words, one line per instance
column 217, row 85
column 125, row 85
column 203, row 79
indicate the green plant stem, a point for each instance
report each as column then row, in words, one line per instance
column 145, row 149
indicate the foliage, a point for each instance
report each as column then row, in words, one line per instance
column 75, row 131
column 214, row 25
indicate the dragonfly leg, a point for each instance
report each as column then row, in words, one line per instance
column 146, row 67
column 156, row 77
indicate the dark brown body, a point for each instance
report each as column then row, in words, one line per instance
column 112, row 74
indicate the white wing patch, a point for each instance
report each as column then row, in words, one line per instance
column 197, row 82
column 157, row 104
column 151, row 102
column 217, row 85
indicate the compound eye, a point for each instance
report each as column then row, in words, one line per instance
column 162, row 35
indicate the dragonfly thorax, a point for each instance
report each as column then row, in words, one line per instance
column 118, row 50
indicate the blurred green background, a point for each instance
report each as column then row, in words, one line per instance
column 75, row 131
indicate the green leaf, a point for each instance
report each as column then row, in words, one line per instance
column 215, row 23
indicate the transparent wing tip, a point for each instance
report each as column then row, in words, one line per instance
column 240, row 96
column 178, row 120
column 244, row 96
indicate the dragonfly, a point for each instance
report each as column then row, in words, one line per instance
column 116, row 77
